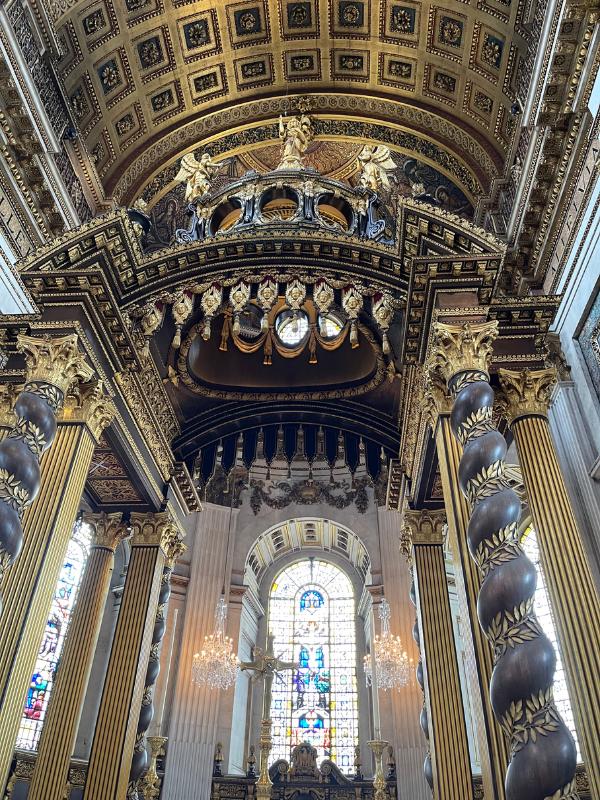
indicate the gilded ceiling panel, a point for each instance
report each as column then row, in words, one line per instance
column 150, row 79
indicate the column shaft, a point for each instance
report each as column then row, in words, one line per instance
column 29, row 585
column 114, row 736
column 492, row 743
column 447, row 729
column 68, row 692
column 569, row 581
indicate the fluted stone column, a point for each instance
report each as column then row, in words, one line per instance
column 572, row 591
column 28, row 587
column 542, row 751
column 491, row 741
column 195, row 709
column 422, row 542
column 59, row 732
column 155, row 538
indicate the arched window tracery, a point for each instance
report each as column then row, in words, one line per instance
column 63, row 601
column 312, row 618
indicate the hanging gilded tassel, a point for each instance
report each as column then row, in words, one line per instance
column 239, row 296
column 182, row 307
column 266, row 296
column 352, row 303
column 150, row 322
column 211, row 302
column 383, row 313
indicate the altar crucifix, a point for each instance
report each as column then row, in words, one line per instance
column 266, row 666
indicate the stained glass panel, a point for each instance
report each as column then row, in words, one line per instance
column 65, row 594
column 312, row 617
column 543, row 611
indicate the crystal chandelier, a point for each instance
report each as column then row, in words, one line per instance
column 389, row 661
column 216, row 665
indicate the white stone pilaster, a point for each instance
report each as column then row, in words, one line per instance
column 195, row 710
column 578, row 458
column 400, row 710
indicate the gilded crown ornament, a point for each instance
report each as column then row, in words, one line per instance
column 211, row 302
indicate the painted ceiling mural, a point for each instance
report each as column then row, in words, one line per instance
column 149, row 80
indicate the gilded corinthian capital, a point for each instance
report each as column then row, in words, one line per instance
column 109, row 529
column 93, row 407
column 526, row 393
column 462, row 348
column 158, row 530
column 54, row 360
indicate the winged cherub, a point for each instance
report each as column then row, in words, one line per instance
column 375, row 162
column 198, row 175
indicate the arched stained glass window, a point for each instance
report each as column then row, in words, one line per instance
column 312, row 618
column 543, row 611
column 65, row 595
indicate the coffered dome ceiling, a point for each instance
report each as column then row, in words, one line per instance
column 150, row 80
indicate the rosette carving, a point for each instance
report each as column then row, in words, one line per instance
column 52, row 367
column 542, row 751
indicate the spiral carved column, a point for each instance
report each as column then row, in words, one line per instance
column 139, row 763
column 542, row 752
column 571, row 587
column 53, row 365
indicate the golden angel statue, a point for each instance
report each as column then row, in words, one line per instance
column 297, row 134
column 198, row 175
column 375, row 162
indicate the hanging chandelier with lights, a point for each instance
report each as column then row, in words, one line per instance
column 388, row 659
column 216, row 665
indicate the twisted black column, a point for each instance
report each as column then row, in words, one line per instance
column 542, row 752
column 52, row 366
column 139, row 763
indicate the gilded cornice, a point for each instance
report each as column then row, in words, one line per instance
column 139, row 403
column 108, row 529
column 157, row 530
column 526, row 393
column 462, row 348
column 54, row 360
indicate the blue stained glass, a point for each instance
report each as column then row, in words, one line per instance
column 51, row 645
column 312, row 617
column 311, row 599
